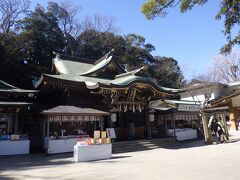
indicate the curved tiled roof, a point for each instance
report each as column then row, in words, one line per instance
column 5, row 87
column 73, row 110
column 86, row 72
column 70, row 65
column 81, row 66
column 103, row 63
column 93, row 83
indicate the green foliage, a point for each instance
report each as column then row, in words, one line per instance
column 137, row 52
column 93, row 44
column 154, row 8
column 27, row 54
column 166, row 72
column 41, row 36
column 12, row 68
column 229, row 10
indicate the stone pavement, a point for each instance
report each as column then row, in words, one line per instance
column 190, row 160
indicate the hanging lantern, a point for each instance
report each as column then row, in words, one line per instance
column 80, row 118
column 139, row 108
column 125, row 109
column 86, row 118
column 92, row 118
column 72, row 118
column 50, row 118
column 113, row 117
column 65, row 118
column 98, row 118
column 151, row 117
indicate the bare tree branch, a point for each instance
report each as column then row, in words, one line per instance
column 10, row 10
column 227, row 67
column 99, row 23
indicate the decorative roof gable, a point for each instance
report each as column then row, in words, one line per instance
column 105, row 67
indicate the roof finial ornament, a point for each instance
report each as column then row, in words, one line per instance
column 57, row 54
column 110, row 53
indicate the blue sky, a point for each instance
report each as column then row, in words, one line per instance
column 192, row 38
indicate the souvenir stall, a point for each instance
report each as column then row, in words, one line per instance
column 181, row 125
column 90, row 149
column 64, row 125
column 14, row 102
column 181, row 118
column 11, row 141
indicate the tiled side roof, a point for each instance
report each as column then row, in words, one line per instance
column 74, row 111
column 70, row 65
column 5, row 87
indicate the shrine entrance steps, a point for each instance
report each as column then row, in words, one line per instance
column 142, row 145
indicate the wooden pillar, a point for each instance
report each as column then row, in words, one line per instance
column 224, row 124
column 207, row 135
column 44, row 134
column 234, row 115
column 174, row 127
column 148, row 126
column 16, row 123
column 101, row 123
column 47, row 135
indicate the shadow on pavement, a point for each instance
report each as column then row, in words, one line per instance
column 24, row 162
column 20, row 162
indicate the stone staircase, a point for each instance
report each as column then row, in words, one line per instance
column 141, row 145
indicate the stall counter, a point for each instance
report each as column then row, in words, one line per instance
column 183, row 134
column 8, row 147
column 92, row 152
column 62, row 145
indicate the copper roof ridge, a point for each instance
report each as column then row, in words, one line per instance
column 133, row 72
column 75, row 59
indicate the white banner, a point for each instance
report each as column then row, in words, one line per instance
column 188, row 107
column 111, row 133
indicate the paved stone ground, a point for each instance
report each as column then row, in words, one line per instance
column 189, row 160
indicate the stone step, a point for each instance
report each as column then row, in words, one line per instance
column 141, row 145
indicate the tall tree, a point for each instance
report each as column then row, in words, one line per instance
column 66, row 14
column 41, row 36
column 10, row 10
column 93, row 44
column 138, row 52
column 12, row 67
column 226, row 67
column 229, row 11
column 166, row 72
column 99, row 23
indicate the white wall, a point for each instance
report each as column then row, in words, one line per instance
column 216, row 92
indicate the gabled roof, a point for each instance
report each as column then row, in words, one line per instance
column 103, row 63
column 224, row 100
column 202, row 85
column 81, row 66
column 234, row 83
column 72, row 110
column 91, row 74
column 132, row 79
column 5, row 87
column 171, row 104
column 71, row 65
column 94, row 83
